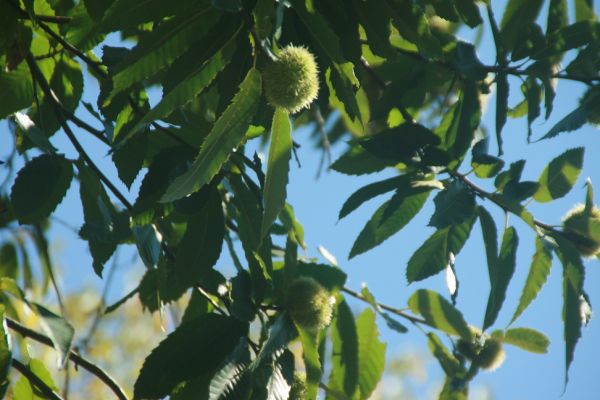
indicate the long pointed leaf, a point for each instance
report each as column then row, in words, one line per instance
column 227, row 133
column 278, row 168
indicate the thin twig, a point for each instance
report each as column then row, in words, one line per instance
column 63, row 122
column 393, row 310
column 74, row 357
column 207, row 296
column 88, row 61
column 487, row 195
column 35, row 380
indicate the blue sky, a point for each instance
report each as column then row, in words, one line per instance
column 317, row 202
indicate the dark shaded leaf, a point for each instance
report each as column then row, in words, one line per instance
column 227, row 133
column 370, row 191
column 400, row 144
column 468, row 11
column 454, row 205
column 209, row 338
column 573, row 277
column 390, row 218
column 229, row 381
column 516, row 15
column 40, row 186
column 201, row 244
column 358, row 161
column 58, row 329
column 147, row 240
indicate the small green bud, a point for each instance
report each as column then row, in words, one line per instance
column 577, row 227
column 309, row 303
column 292, row 81
column 491, row 356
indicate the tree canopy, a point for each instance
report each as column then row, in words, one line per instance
column 179, row 92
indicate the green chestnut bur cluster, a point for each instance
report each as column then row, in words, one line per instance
column 578, row 227
column 309, row 304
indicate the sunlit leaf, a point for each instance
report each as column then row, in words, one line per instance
column 560, row 175
column 278, row 167
column 439, row 313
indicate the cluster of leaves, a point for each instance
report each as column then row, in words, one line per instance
column 389, row 71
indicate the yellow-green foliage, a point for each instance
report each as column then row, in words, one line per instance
column 292, row 81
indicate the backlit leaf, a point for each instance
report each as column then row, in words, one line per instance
column 227, row 133
column 560, row 175
column 439, row 313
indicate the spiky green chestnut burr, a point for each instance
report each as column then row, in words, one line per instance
column 309, row 303
column 292, row 81
column 578, row 227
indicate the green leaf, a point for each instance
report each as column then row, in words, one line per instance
column 370, row 191
column 5, row 355
column 278, row 168
column 58, row 329
column 501, row 273
column 454, row 205
column 242, row 307
column 571, row 122
column 467, row 62
column 34, row 133
column 147, row 240
column 390, row 218
column 527, row 339
column 227, row 133
column 24, row 390
column 281, row 333
column 312, row 363
column 103, row 228
column 358, row 161
column 162, row 46
column 280, row 377
column 468, row 11
column 17, row 90
column 439, row 313
column 516, row 15
column 200, row 247
column 538, row 274
column 190, row 84
column 449, row 363
column 390, row 322
column 129, row 158
column 227, row 5
column 230, row 380
column 344, row 356
column 434, row 255
column 332, row 278
column 371, row 354
column 560, row 175
column 502, row 92
column 400, row 144
column 209, row 338
column 490, row 235
column 9, row 263
column 573, row 277
column 40, row 186
column 325, row 38
column 374, row 17
column 558, row 15
column 457, row 139
column 584, row 10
